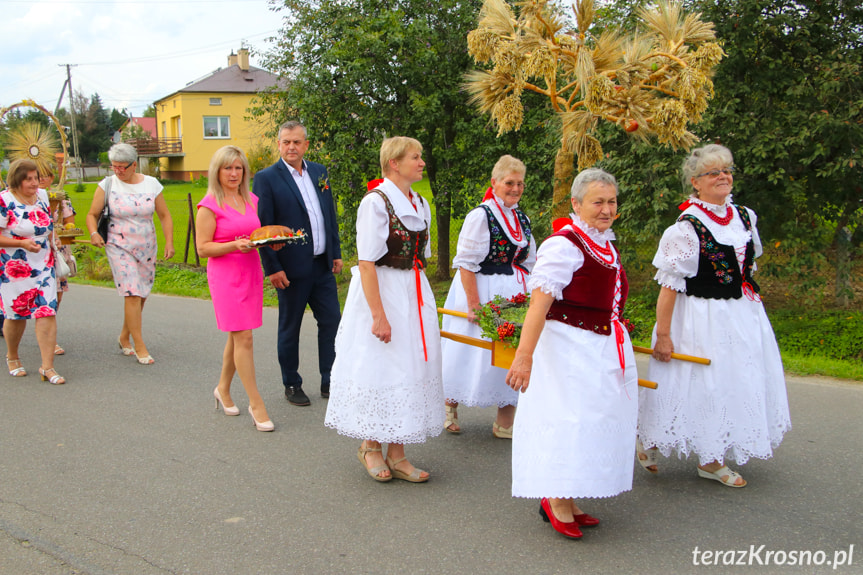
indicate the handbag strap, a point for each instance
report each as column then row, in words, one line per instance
column 108, row 183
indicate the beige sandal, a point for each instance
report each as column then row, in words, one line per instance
column 501, row 432
column 647, row 457
column 723, row 475
column 373, row 471
column 414, row 476
column 451, row 419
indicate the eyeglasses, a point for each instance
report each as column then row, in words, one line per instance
column 715, row 173
column 121, row 168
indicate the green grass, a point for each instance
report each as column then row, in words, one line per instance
column 176, row 197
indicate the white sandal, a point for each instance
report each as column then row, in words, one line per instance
column 718, row 475
column 649, row 460
column 16, row 371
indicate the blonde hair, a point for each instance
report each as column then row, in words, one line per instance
column 507, row 165
column 396, row 148
column 224, row 157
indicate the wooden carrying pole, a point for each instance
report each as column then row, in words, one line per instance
column 501, row 356
column 635, row 348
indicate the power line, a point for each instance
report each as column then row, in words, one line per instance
column 175, row 55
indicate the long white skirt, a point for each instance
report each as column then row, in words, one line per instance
column 468, row 375
column 574, row 430
column 387, row 392
column 733, row 409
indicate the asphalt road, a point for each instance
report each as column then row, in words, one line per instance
column 127, row 469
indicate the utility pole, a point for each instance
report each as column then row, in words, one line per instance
column 72, row 115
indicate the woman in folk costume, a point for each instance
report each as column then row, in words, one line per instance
column 495, row 254
column 736, row 407
column 386, row 379
column 574, row 431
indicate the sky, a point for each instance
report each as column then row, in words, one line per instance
column 130, row 52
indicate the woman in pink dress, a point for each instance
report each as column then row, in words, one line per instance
column 226, row 218
column 131, row 247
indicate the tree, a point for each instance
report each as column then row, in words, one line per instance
column 650, row 84
column 117, row 120
column 357, row 71
column 791, row 93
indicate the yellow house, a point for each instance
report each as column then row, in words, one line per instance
column 194, row 122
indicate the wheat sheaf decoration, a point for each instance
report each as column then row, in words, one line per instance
column 32, row 141
column 36, row 142
column 652, row 83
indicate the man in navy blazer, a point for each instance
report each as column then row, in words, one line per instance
column 296, row 193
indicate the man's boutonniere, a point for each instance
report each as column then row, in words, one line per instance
column 324, row 184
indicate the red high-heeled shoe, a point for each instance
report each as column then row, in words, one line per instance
column 569, row 530
column 585, row 520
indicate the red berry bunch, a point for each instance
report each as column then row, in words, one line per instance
column 505, row 330
column 518, row 298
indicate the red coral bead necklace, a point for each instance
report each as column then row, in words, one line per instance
column 514, row 231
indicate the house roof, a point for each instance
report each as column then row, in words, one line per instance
column 147, row 124
column 233, row 80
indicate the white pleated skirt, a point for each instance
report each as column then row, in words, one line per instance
column 731, row 410
column 574, row 430
column 468, row 375
column 388, row 392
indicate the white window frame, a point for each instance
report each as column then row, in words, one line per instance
column 223, row 127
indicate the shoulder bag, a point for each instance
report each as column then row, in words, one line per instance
column 105, row 216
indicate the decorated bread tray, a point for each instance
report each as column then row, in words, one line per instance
column 68, row 233
column 277, row 235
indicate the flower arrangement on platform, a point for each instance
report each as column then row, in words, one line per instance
column 501, row 319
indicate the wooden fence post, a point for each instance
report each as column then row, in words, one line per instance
column 190, row 233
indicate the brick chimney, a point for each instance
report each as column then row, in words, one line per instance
column 243, row 59
column 232, row 59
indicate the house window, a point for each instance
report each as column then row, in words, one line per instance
column 215, row 101
column 217, row 127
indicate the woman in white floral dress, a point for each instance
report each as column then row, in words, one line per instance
column 131, row 247
column 28, row 288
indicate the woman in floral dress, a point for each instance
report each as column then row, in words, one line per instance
column 28, row 288
column 131, row 247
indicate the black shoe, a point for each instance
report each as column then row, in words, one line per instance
column 325, row 391
column 296, row 396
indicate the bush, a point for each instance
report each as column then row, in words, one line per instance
column 830, row 334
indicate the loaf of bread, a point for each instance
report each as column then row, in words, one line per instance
column 270, row 232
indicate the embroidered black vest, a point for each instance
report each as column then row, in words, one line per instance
column 403, row 245
column 502, row 252
column 719, row 274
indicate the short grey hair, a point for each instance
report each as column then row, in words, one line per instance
column 507, row 165
column 701, row 158
column 123, row 153
column 292, row 125
column 587, row 177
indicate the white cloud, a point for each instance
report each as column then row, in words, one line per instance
column 129, row 53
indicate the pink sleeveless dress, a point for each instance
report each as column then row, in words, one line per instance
column 236, row 279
